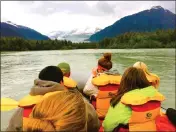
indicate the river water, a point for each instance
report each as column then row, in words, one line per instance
column 19, row 69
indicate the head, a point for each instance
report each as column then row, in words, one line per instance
column 133, row 78
column 105, row 63
column 142, row 66
column 65, row 68
column 63, row 111
column 51, row 73
column 155, row 81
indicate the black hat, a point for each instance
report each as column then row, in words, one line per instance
column 171, row 114
column 51, row 73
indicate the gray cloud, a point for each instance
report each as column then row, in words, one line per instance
column 72, row 7
column 116, row 9
column 170, row 5
column 125, row 8
column 100, row 13
column 105, row 7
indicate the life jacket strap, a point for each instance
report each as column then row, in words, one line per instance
column 27, row 111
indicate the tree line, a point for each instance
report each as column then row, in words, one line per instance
column 156, row 39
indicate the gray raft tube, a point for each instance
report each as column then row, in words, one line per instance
column 81, row 79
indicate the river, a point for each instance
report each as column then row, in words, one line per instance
column 19, row 69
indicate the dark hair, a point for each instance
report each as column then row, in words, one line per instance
column 105, row 61
column 171, row 114
column 51, row 73
column 133, row 78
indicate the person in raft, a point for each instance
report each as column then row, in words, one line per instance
column 65, row 67
column 50, row 82
column 137, row 105
column 104, row 65
column 102, row 86
column 63, row 111
column 68, row 82
column 152, row 78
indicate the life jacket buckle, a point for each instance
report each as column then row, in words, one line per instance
column 111, row 94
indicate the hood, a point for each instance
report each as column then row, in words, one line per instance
column 42, row 87
column 112, row 72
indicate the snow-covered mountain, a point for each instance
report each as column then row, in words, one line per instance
column 10, row 23
column 86, row 30
column 10, row 29
column 75, row 35
column 144, row 21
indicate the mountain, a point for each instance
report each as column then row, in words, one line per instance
column 147, row 20
column 9, row 29
column 75, row 35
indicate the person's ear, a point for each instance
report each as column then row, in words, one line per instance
column 62, row 83
column 69, row 74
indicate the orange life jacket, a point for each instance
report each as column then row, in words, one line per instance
column 143, row 116
column 103, row 98
column 108, row 86
column 145, row 113
column 69, row 82
column 29, row 101
column 147, row 117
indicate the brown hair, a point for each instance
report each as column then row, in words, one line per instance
column 133, row 78
column 63, row 111
column 105, row 61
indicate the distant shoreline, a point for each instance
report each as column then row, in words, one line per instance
column 131, row 40
column 2, row 52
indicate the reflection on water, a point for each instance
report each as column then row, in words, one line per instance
column 19, row 69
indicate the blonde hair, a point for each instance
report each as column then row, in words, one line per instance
column 64, row 111
column 153, row 78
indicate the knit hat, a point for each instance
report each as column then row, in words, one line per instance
column 65, row 67
column 51, row 73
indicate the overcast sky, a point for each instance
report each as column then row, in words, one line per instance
column 47, row 16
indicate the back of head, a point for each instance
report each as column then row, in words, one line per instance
column 36, row 125
column 105, row 61
column 65, row 67
column 51, row 73
column 153, row 78
column 141, row 65
column 65, row 111
column 133, row 78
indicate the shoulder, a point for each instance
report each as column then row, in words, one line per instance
column 69, row 82
column 141, row 96
column 15, row 123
